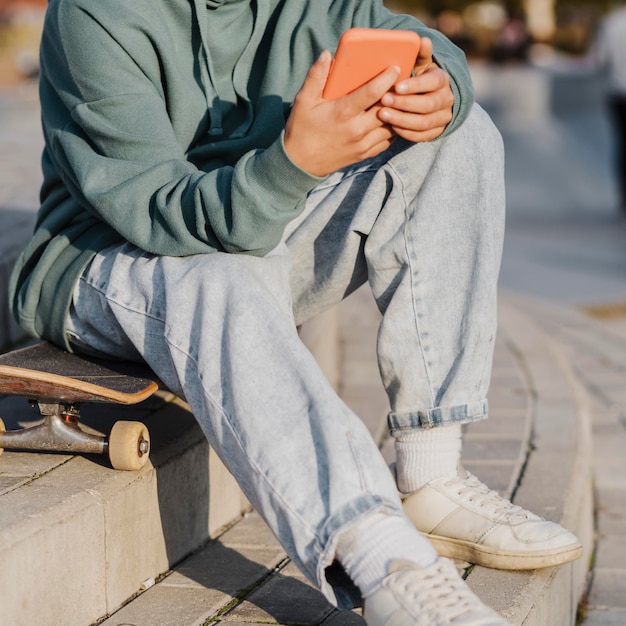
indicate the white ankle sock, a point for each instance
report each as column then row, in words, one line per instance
column 367, row 550
column 425, row 454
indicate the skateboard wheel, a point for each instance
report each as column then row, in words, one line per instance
column 2, row 429
column 129, row 445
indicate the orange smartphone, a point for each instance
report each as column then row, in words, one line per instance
column 363, row 53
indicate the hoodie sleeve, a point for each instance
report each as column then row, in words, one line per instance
column 450, row 58
column 113, row 143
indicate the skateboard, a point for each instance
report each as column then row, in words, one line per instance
column 57, row 383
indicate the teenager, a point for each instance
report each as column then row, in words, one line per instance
column 201, row 199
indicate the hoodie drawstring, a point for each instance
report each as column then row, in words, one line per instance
column 206, row 69
column 213, row 101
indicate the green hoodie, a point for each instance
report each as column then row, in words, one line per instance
column 163, row 123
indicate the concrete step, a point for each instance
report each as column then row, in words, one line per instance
column 77, row 539
column 555, row 481
column 71, row 527
column 80, row 541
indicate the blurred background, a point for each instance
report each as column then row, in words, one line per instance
column 534, row 70
column 20, row 30
column 498, row 30
column 508, row 30
column 495, row 30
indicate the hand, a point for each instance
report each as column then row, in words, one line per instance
column 420, row 107
column 322, row 136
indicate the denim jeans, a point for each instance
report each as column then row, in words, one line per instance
column 423, row 225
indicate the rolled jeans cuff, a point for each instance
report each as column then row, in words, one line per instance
column 400, row 422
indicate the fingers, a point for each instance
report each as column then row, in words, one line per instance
column 420, row 127
column 369, row 94
column 376, row 141
column 421, row 107
column 420, row 136
column 431, row 79
column 421, row 94
column 417, row 126
column 360, row 99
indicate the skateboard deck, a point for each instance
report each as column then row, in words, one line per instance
column 57, row 382
column 44, row 371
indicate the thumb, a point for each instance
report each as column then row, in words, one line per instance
column 425, row 57
column 315, row 80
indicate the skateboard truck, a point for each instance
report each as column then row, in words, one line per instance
column 31, row 373
column 59, row 432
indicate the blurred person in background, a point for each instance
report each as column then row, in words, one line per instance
column 512, row 42
column 610, row 54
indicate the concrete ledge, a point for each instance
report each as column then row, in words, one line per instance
column 556, row 481
column 70, row 527
column 80, row 530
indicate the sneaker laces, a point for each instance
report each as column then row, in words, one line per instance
column 438, row 591
column 486, row 498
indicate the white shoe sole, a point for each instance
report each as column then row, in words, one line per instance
column 481, row 555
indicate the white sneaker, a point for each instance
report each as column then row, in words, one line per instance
column 411, row 595
column 466, row 520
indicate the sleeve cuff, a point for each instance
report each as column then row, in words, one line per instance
column 278, row 176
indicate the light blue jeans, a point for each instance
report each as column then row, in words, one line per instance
column 423, row 224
